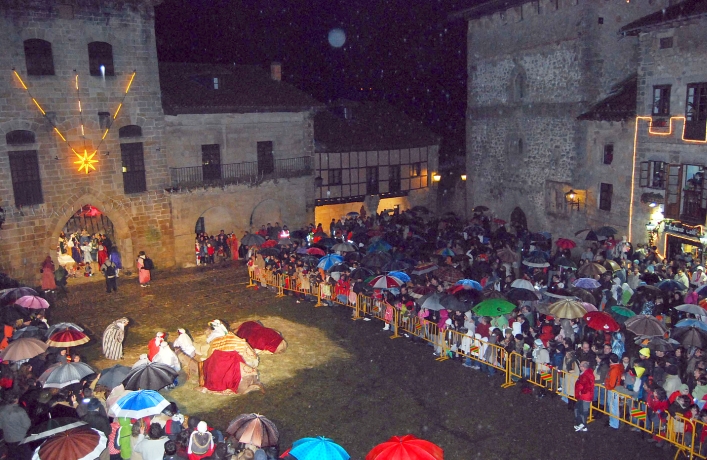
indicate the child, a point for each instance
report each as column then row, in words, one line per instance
column 87, row 270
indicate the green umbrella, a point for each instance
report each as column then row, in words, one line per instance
column 622, row 311
column 494, row 307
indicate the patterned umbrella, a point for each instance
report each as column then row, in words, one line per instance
column 81, row 443
column 568, row 309
column 425, row 268
column 587, row 283
column 24, row 348
column 318, row 448
column 385, row 282
column 254, row 429
column 406, row 447
column 138, row 404
column 150, row 376
column 449, row 274
column 445, row 252
column 32, row 302
column 61, row 375
column 67, row 338
column 645, row 325
column 601, row 321
column 591, row 270
column 564, row 243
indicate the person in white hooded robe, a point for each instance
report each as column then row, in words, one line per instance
column 184, row 343
column 167, row 357
column 217, row 330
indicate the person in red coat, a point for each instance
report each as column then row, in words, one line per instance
column 153, row 347
column 584, row 393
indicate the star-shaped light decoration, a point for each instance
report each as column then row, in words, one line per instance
column 85, row 161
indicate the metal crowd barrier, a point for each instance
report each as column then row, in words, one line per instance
column 682, row 433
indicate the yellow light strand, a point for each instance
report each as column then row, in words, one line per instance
column 80, row 110
column 20, row 78
column 77, row 82
column 38, row 106
column 117, row 111
column 130, row 82
column 82, row 131
column 60, row 135
column 105, row 134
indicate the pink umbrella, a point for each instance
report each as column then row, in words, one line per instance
column 32, row 302
column 589, row 307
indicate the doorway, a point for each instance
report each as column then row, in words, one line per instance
column 92, row 220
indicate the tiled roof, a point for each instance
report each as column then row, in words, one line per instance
column 486, row 8
column 675, row 13
column 368, row 126
column 189, row 88
column 619, row 105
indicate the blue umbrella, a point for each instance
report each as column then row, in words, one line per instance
column 138, row 404
column 470, row 283
column 587, row 283
column 691, row 322
column 402, row 276
column 317, row 449
column 379, row 245
column 329, row 261
column 671, row 285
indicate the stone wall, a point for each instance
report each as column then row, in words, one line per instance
column 142, row 220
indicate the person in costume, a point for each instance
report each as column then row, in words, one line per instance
column 153, row 347
column 185, row 343
column 113, row 338
column 217, row 330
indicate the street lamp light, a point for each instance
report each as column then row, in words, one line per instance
column 436, row 177
column 572, row 199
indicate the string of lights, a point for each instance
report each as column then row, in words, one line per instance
column 85, row 160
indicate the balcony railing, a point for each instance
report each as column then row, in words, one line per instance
column 692, row 210
column 218, row 175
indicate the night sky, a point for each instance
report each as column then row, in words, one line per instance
column 403, row 51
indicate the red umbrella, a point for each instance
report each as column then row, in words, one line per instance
column 406, row 447
column 385, row 282
column 316, row 252
column 499, row 221
column 564, row 243
column 269, row 244
column 67, row 338
column 79, row 443
column 601, row 321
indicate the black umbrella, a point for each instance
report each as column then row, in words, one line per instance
column 9, row 296
column 451, row 302
column 272, row 252
column 480, row 209
column 690, row 336
column 252, row 239
column 309, row 260
column 565, row 262
column 521, row 294
column 606, row 231
column 298, row 234
column 30, row 331
column 339, row 268
column 361, row 273
column 582, row 294
column 396, row 266
column 591, row 236
column 150, row 376
column 113, row 376
column 327, row 242
column 376, row 259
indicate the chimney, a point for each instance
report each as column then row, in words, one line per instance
column 276, row 71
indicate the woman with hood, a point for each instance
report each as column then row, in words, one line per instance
column 626, row 293
column 617, row 344
column 124, row 436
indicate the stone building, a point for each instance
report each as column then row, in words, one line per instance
column 372, row 155
column 545, row 77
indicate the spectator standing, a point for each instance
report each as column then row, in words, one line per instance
column 584, row 393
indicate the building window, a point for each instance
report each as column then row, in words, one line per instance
column 696, row 111
column 26, row 183
column 661, row 100
column 394, row 178
column 519, row 86
column 211, row 162
column 266, row 158
column 415, row 169
column 133, row 159
column 372, row 180
column 652, row 174
column 100, row 59
column 38, row 57
column 130, row 131
column 608, row 154
column 666, row 42
column 19, row 137
column 104, row 120
column 334, row 177
column 606, row 192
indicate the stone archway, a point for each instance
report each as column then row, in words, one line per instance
column 220, row 218
column 123, row 227
column 266, row 211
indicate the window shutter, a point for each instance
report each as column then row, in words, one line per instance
column 645, row 174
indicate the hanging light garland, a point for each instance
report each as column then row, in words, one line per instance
column 85, row 160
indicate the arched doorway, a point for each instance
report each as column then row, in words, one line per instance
column 91, row 237
column 267, row 211
column 90, row 219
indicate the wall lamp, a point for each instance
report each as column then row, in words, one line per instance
column 572, row 199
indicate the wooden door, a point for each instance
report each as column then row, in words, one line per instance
column 673, row 189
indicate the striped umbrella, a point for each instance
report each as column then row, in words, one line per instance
column 385, row 282
column 254, row 429
column 81, row 443
column 67, row 338
column 61, row 375
column 138, row 404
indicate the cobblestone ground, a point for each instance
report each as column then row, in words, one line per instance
column 340, row 378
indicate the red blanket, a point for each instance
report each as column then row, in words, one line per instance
column 259, row 336
column 222, row 371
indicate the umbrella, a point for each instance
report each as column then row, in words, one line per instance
column 254, row 429
column 648, row 289
column 493, row 294
column 589, row 307
column 269, row 244
column 690, row 336
column 566, row 308
column 61, row 375
column 339, row 268
column 470, row 284
column 352, row 215
column 449, row 274
column 397, row 266
column 32, row 302
column 150, row 376
column 658, row 343
column 406, row 447
column 344, row 247
column 587, row 283
column 424, row 269
column 507, row 255
column 138, row 404
column 284, row 241
column 565, row 262
column 445, row 252
column 83, row 443
column 611, row 265
column 536, row 261
column 431, row 301
column 420, row 291
column 623, row 311
column 113, row 376
column 645, row 325
column 301, row 250
column 252, row 239
column 309, row 260
column 376, row 259
column 582, row 294
column 327, row 242
column 24, row 348
column 329, row 261
column 606, row 231
column 453, row 303
column 591, row 236
column 51, row 427
column 9, row 296
column 380, row 245
column 601, row 321
column 361, row 273
column 670, row 286
column 29, row 332
column 272, row 252
column 316, row 252
column 113, row 397
column 402, row 276
column 523, row 284
column 564, row 243
column 67, row 338
column 385, row 282
column 58, row 326
column 494, row 307
column 558, row 294
column 480, row 209
column 521, row 294
column 692, row 309
column 591, row 270
column 318, row 448
column 691, row 322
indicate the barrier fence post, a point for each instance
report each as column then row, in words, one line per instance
column 355, row 315
column 280, row 280
column 395, row 323
column 251, row 276
column 509, row 381
column 319, row 297
column 443, row 345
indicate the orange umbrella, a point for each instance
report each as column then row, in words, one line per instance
column 79, row 443
column 406, row 447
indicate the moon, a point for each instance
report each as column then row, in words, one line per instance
column 337, row 38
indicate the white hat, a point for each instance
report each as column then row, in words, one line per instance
column 159, row 334
column 700, row 267
column 181, row 331
column 201, row 427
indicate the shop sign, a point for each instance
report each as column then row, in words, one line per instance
column 682, row 229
